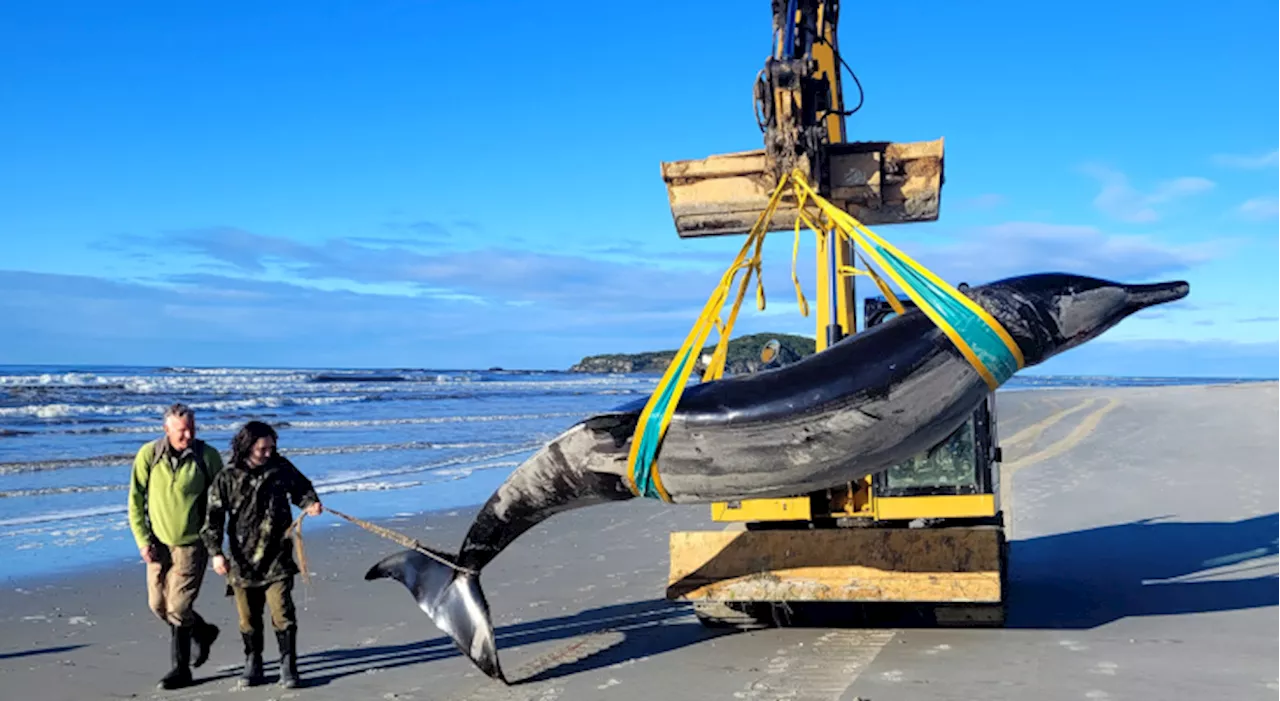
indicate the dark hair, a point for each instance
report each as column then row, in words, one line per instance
column 249, row 434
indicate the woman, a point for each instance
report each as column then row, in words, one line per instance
column 253, row 494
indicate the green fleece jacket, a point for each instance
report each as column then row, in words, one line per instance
column 167, row 502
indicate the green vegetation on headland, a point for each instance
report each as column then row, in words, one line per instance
column 743, row 356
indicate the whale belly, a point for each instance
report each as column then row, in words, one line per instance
column 818, row 447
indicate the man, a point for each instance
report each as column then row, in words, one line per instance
column 167, row 503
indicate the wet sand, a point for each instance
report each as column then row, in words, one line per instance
column 1143, row 565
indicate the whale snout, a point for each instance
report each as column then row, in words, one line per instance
column 1143, row 296
column 1069, row 310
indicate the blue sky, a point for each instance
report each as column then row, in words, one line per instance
column 399, row 183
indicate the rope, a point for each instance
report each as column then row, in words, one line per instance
column 299, row 553
column 295, row 529
column 979, row 337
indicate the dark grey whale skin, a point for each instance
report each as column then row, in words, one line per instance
column 860, row 406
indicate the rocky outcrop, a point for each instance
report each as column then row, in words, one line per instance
column 604, row 364
column 743, row 356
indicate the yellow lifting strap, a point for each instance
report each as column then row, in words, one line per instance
column 978, row 336
column 642, row 471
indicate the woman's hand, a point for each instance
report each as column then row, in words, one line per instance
column 314, row 509
column 220, row 565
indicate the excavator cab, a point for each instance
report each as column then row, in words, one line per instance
column 967, row 463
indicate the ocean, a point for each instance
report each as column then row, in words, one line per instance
column 375, row 443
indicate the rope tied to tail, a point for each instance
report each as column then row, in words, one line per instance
column 295, row 529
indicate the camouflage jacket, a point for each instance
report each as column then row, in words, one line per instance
column 254, row 504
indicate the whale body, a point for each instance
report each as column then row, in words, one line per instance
column 859, row 407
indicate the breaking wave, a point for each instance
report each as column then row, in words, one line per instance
column 316, row 424
column 68, row 515
column 55, row 411
column 125, row 459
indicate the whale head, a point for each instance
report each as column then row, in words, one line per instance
column 1049, row 313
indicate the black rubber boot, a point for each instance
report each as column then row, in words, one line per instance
column 180, row 656
column 287, row 639
column 203, row 636
column 252, row 674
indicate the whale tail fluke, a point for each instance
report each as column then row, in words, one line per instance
column 452, row 598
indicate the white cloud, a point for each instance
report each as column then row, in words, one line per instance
column 1247, row 162
column 382, row 304
column 1020, row 248
column 561, row 280
column 1122, row 201
column 71, row 318
column 1260, row 208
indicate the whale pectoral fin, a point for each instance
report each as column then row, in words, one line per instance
column 452, row 599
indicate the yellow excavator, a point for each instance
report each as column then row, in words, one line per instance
column 929, row 532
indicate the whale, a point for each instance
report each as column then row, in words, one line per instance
column 860, row 406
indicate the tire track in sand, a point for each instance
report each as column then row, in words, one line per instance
column 818, row 670
column 1031, row 433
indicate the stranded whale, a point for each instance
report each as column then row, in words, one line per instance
column 859, row 407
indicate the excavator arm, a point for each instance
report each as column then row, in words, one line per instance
column 797, row 93
column 800, row 111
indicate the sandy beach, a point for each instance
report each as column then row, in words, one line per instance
column 1143, row 565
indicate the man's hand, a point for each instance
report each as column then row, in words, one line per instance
column 314, row 509
column 148, row 553
column 220, row 565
